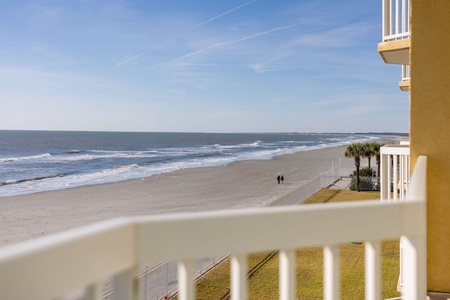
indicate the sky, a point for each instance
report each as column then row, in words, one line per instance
column 197, row 66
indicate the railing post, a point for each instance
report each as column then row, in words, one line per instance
column 331, row 272
column 186, row 280
column 414, row 248
column 287, row 274
column 414, row 268
column 239, row 277
column 372, row 270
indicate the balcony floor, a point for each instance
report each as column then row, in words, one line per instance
column 395, row 52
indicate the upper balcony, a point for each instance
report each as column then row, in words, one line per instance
column 52, row 267
column 394, row 48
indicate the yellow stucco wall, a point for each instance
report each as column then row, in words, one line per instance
column 430, row 126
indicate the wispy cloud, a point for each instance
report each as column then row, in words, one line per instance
column 273, row 64
column 219, row 16
column 126, row 61
column 226, row 43
column 343, row 36
column 130, row 59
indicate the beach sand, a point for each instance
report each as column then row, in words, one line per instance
column 238, row 185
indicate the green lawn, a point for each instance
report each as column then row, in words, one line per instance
column 263, row 281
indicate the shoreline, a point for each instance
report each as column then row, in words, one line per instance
column 250, row 183
column 59, row 168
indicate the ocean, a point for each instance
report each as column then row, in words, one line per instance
column 36, row 161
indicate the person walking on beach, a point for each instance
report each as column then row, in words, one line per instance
column 279, row 179
column 282, row 179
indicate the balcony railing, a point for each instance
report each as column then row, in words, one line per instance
column 395, row 172
column 53, row 266
column 395, row 19
column 406, row 73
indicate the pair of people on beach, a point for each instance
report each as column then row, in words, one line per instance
column 280, row 179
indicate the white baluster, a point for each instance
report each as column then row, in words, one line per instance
column 373, row 267
column 186, row 280
column 331, row 272
column 239, row 277
column 287, row 274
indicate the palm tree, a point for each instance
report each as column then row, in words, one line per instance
column 368, row 151
column 376, row 151
column 356, row 151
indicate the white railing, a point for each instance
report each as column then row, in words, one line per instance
column 53, row 266
column 406, row 73
column 395, row 172
column 395, row 19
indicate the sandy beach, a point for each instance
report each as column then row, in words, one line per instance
column 241, row 184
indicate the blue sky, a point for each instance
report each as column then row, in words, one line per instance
column 209, row 66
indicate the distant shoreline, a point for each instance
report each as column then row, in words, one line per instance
column 59, row 160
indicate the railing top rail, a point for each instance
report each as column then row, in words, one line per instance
column 399, row 36
column 53, row 265
column 254, row 230
column 395, row 149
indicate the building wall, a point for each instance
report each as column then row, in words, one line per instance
column 430, row 126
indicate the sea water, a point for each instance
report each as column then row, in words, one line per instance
column 35, row 161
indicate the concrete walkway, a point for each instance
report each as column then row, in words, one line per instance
column 342, row 184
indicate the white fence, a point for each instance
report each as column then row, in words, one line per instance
column 395, row 19
column 53, row 266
